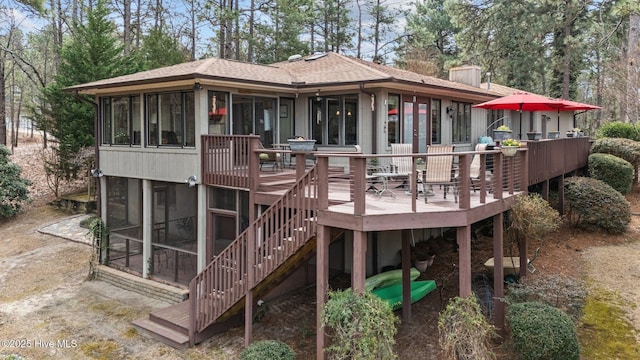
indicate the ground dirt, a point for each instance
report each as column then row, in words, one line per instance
column 49, row 309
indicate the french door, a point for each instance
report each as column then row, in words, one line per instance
column 415, row 122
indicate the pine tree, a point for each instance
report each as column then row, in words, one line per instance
column 94, row 53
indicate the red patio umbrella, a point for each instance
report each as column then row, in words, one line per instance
column 575, row 106
column 522, row 101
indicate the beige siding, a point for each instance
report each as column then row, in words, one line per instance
column 172, row 165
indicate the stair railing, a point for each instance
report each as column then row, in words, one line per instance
column 278, row 233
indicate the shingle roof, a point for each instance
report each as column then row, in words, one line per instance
column 315, row 70
column 500, row 89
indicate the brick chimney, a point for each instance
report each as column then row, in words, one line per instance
column 468, row 74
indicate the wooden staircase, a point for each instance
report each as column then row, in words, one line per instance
column 269, row 250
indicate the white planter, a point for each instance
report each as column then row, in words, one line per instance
column 509, row 150
column 502, row 134
column 301, row 145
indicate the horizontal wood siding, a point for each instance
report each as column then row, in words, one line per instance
column 171, row 165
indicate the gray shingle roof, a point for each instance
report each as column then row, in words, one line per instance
column 315, row 70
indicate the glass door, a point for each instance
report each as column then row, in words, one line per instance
column 415, row 122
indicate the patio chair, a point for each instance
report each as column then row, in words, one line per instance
column 402, row 165
column 474, row 169
column 439, row 170
column 269, row 159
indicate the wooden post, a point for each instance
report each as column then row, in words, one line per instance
column 406, row 275
column 464, row 254
column 498, row 274
column 524, row 261
column 561, row 195
column 322, row 285
column 464, row 196
column 301, row 164
column 359, row 271
column 359, row 166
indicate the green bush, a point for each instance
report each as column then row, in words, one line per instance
column 594, row 205
column 464, row 332
column 619, row 129
column 562, row 292
column 542, row 332
column 616, row 172
column 268, row 349
column 362, row 326
column 623, row 148
column 13, row 189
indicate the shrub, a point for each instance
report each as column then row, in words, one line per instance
column 619, row 129
column 268, row 349
column 594, row 205
column 13, row 189
column 541, row 331
column 562, row 292
column 622, row 148
column 362, row 326
column 533, row 217
column 464, row 332
column 616, row 172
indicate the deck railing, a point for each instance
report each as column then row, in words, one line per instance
column 266, row 244
column 508, row 173
column 228, row 160
column 551, row 158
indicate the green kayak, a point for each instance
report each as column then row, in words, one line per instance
column 388, row 278
column 393, row 294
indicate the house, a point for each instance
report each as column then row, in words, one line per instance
column 187, row 203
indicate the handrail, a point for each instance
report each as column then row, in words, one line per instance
column 276, row 235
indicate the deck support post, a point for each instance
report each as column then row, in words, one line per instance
column 406, row 275
column 561, row 194
column 544, row 191
column 322, row 285
column 498, row 273
column 464, row 254
column 524, row 259
column 359, row 272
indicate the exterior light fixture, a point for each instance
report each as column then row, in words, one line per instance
column 96, row 173
column 191, row 181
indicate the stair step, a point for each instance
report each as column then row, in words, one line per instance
column 162, row 333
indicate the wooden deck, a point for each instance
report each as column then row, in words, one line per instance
column 335, row 199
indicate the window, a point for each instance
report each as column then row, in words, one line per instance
column 255, row 115
column 171, row 119
column 461, row 113
column 218, row 115
column 495, row 118
column 121, row 120
column 393, row 114
column 436, row 122
column 334, row 120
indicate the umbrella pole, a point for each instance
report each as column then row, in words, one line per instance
column 558, row 120
column 520, row 138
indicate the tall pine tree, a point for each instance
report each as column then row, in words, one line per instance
column 93, row 53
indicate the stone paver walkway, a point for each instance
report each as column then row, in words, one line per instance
column 69, row 229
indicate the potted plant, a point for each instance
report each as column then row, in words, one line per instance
column 578, row 132
column 501, row 133
column 553, row 134
column 534, row 135
column 509, row 147
column 422, row 256
column 300, row 144
column 570, row 133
